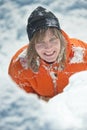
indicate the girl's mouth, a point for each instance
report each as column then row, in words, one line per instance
column 49, row 53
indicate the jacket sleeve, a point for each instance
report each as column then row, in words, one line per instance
column 14, row 70
column 78, row 43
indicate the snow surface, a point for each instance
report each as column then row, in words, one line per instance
column 21, row 111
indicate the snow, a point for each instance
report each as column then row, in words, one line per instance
column 70, row 107
column 78, row 55
column 21, row 111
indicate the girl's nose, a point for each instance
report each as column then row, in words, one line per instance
column 48, row 45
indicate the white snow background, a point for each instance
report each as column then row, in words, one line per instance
column 21, row 111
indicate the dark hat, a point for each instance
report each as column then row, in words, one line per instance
column 41, row 18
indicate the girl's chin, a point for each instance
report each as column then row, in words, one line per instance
column 49, row 61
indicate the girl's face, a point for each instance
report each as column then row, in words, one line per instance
column 48, row 48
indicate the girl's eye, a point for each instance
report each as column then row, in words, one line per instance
column 40, row 45
column 41, row 42
column 53, row 40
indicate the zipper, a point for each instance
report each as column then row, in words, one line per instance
column 55, row 87
column 54, row 80
column 51, row 70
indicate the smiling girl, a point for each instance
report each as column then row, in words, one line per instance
column 44, row 65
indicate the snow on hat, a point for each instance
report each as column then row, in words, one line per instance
column 41, row 18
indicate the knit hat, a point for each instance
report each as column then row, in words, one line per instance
column 41, row 18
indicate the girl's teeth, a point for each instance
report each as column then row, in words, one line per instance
column 49, row 53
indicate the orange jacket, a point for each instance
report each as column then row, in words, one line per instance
column 49, row 81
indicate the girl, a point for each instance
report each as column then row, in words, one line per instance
column 44, row 65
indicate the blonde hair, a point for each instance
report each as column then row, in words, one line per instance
column 33, row 57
